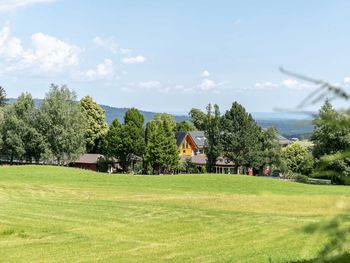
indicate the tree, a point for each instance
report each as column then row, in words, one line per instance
column 213, row 146
column 330, row 136
column 298, row 159
column 240, row 137
column 161, row 150
column 112, row 141
column 198, row 118
column 126, row 141
column 3, row 99
column 97, row 126
column 270, row 149
column 133, row 138
column 63, row 124
column 184, row 126
column 20, row 137
column 11, row 133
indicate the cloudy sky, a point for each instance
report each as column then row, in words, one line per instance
column 174, row 55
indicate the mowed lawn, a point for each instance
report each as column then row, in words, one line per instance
column 53, row 214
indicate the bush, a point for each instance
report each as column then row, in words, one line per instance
column 295, row 177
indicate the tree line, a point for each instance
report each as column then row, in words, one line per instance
column 61, row 129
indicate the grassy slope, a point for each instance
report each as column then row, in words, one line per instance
column 50, row 214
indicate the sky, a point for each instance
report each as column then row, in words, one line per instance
column 171, row 56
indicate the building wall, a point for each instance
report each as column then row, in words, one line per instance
column 187, row 148
column 86, row 166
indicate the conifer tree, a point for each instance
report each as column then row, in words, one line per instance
column 240, row 137
column 213, row 146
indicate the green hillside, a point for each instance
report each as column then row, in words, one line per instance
column 50, row 214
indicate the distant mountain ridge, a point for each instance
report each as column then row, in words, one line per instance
column 114, row 112
column 288, row 124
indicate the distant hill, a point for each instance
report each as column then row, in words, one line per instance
column 290, row 125
column 113, row 112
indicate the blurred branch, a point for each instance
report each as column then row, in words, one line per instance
column 325, row 88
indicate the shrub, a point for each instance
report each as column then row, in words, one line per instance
column 295, row 177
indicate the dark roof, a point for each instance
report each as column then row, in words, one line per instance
column 281, row 139
column 89, row 158
column 180, row 136
column 198, row 137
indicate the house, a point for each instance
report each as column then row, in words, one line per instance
column 90, row 161
column 191, row 147
column 283, row 141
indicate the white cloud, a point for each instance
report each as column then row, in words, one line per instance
column 52, row 54
column 290, row 83
column 205, row 74
column 10, row 47
column 103, row 70
column 265, row 85
column 134, row 60
column 347, row 80
column 207, row 84
column 153, row 84
column 109, row 44
column 287, row 83
column 9, row 5
column 46, row 54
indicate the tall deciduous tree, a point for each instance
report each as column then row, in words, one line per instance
column 240, row 137
column 20, row 135
column 213, row 146
column 97, row 126
column 63, row 124
column 161, row 150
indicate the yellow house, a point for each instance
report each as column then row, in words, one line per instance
column 190, row 143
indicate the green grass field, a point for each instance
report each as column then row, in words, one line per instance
column 50, row 214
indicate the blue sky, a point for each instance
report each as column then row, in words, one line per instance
column 174, row 55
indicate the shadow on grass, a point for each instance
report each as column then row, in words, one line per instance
column 336, row 250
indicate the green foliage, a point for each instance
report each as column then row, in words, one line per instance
column 21, row 139
column 298, row 159
column 190, row 167
column 240, row 137
column 332, row 141
column 270, row 154
column 184, row 126
column 198, row 118
column 332, row 132
column 295, row 177
column 161, row 150
column 112, row 141
column 96, row 124
column 3, row 99
column 126, row 142
column 213, row 147
column 63, row 125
